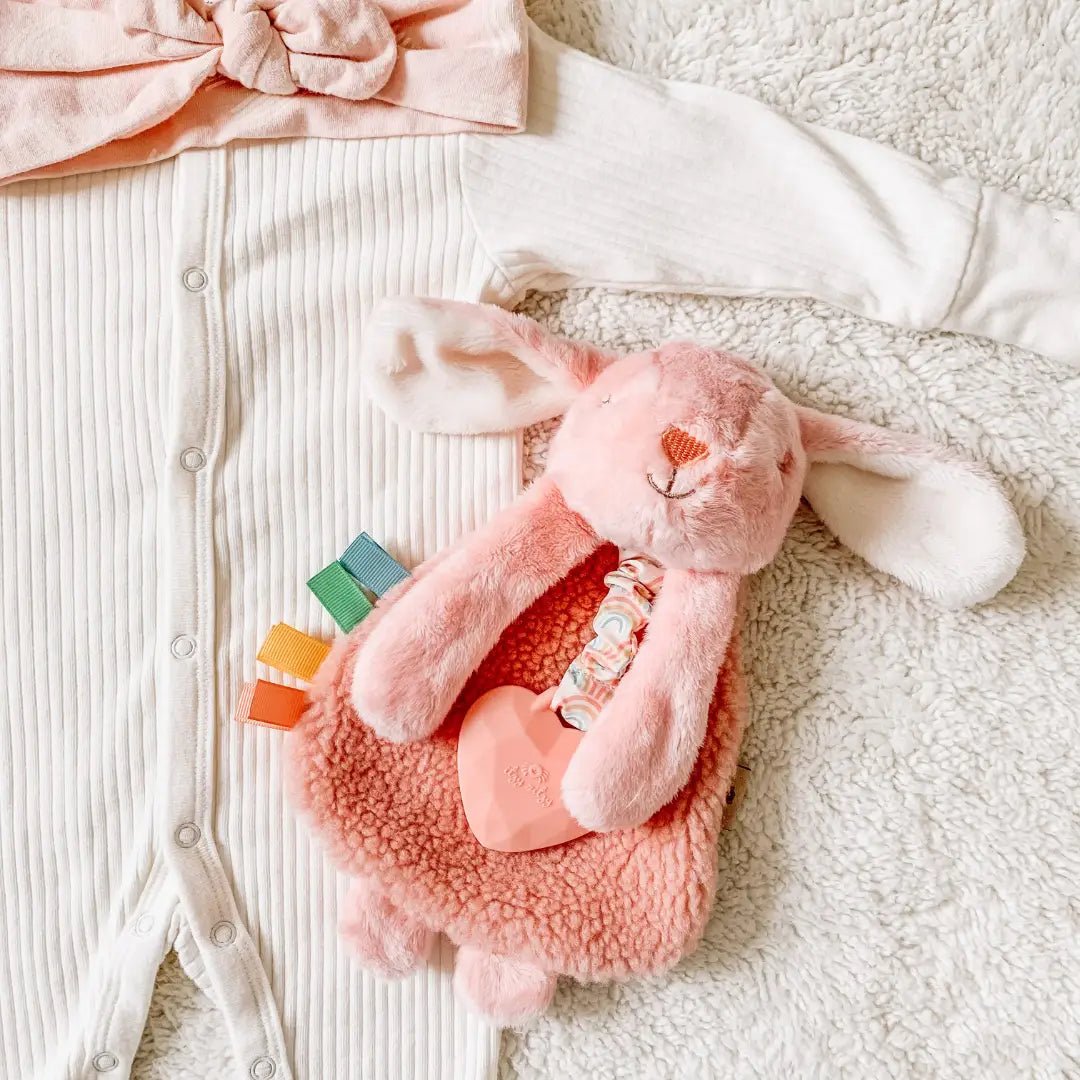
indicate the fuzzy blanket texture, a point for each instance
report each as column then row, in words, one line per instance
column 900, row 896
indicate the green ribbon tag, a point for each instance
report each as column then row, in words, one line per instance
column 339, row 592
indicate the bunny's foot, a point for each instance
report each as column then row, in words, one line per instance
column 506, row 991
column 384, row 939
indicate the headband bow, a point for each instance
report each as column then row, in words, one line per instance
column 88, row 84
column 345, row 50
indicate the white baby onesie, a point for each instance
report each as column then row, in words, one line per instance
column 185, row 439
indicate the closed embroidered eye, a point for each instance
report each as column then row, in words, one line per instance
column 606, row 401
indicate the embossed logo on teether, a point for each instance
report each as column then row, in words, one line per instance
column 533, row 778
column 512, row 754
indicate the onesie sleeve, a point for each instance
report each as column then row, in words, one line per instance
column 638, row 183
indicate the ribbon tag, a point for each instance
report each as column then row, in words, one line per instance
column 338, row 591
column 271, row 704
column 293, row 652
column 372, row 566
column 290, row 650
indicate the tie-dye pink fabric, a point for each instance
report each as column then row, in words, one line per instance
column 95, row 84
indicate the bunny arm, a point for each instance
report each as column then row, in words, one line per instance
column 640, row 752
column 416, row 661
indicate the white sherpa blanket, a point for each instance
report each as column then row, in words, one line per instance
column 900, row 896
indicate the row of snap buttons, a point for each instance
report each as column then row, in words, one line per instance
column 223, row 934
column 188, row 834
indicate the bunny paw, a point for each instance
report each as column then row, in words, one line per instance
column 391, row 693
column 505, row 990
column 594, row 801
column 384, row 939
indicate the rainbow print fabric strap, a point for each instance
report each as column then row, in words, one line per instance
column 590, row 681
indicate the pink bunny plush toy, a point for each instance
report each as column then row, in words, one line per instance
column 685, row 454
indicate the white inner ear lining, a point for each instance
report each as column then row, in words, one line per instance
column 893, row 464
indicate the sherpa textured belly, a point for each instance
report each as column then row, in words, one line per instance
column 374, row 759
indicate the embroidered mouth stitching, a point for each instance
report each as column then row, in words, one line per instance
column 666, row 492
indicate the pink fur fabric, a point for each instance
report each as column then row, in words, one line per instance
column 643, row 747
column 506, row 990
column 392, row 814
column 384, row 938
column 442, row 633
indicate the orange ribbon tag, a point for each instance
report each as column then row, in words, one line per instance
column 272, row 704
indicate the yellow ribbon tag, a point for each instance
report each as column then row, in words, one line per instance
column 293, row 652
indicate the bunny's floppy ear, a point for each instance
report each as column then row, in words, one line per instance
column 940, row 524
column 466, row 369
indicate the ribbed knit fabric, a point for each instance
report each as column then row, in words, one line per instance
column 111, row 369
column 645, row 184
column 184, row 441
column 82, row 391
column 320, row 231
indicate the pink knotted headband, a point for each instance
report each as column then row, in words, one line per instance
column 88, row 85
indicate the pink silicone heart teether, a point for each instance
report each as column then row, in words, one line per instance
column 512, row 753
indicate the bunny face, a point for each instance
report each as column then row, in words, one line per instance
column 685, row 453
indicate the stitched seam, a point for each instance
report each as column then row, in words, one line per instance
column 511, row 291
column 966, row 262
column 147, row 895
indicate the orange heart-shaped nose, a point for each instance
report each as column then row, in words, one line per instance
column 681, row 447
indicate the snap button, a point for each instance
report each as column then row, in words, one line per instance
column 144, row 924
column 193, row 459
column 223, row 933
column 105, row 1062
column 188, row 834
column 183, row 647
column 195, row 279
column 262, row 1068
